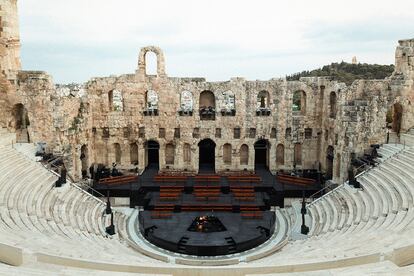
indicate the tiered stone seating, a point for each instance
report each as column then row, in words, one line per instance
column 7, row 138
column 408, row 138
column 63, row 229
column 383, row 204
column 61, row 221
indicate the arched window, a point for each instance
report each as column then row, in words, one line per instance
column 244, row 154
column 187, row 153
column 299, row 102
column 152, row 100
column 280, row 155
column 169, row 154
column 227, row 154
column 228, row 101
column 133, row 153
column 21, row 117
column 207, row 105
column 332, row 104
column 21, row 122
column 186, row 101
column 115, row 101
column 298, row 154
column 110, row 100
column 288, row 133
column 118, row 153
column 263, row 100
column 150, row 63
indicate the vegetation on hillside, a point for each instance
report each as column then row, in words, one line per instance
column 347, row 72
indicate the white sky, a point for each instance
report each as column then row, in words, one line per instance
column 79, row 39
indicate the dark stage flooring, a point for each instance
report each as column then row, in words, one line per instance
column 173, row 233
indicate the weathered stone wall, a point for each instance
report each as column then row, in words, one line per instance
column 104, row 119
column 9, row 39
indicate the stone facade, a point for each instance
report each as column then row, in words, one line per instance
column 310, row 123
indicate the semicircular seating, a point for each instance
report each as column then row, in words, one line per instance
column 62, row 230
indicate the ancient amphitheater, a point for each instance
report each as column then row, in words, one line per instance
column 99, row 178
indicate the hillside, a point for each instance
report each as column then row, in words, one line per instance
column 347, row 72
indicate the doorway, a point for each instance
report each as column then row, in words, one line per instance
column 261, row 154
column 153, row 157
column 207, row 149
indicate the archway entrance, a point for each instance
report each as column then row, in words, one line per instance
column 21, row 122
column 329, row 162
column 261, row 154
column 207, row 149
column 152, row 149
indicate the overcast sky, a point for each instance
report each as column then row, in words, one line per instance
column 217, row 39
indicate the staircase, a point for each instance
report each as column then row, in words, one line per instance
column 231, row 245
column 182, row 244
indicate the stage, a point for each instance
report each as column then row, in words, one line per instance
column 235, row 233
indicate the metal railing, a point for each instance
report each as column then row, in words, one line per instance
column 77, row 186
column 311, row 197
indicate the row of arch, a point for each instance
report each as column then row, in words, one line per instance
column 208, row 99
column 206, row 153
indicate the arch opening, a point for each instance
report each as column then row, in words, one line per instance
column 21, row 122
column 207, row 105
column 297, row 158
column 207, row 149
column 151, row 63
column 261, row 154
column 338, row 165
column 133, row 154
column 186, row 102
column 280, row 155
column 118, row 153
column 397, row 112
column 299, row 102
column 84, row 161
column 332, row 105
column 227, row 154
column 244, row 154
column 329, row 162
column 152, row 154
column 169, row 154
column 187, row 153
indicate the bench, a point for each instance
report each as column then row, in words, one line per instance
column 170, row 178
column 118, row 180
column 244, row 179
column 252, row 215
column 295, row 180
column 207, row 178
column 160, row 215
column 249, row 208
column 215, row 207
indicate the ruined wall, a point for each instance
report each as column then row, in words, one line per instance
column 308, row 124
column 9, row 56
column 9, row 39
column 402, row 81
